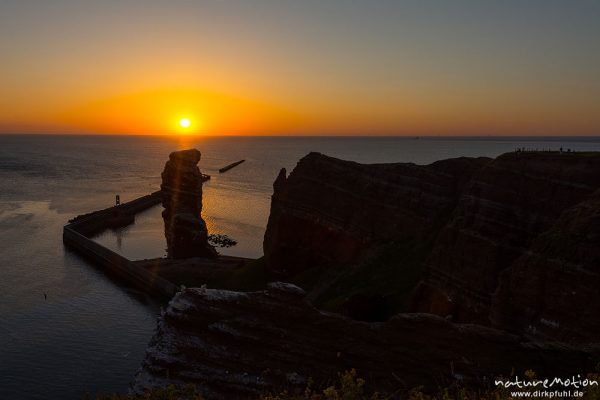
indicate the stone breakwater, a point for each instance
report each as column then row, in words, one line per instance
column 185, row 230
column 76, row 235
column 236, row 345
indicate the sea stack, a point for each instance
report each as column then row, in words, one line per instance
column 185, row 230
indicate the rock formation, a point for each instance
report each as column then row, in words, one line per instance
column 552, row 289
column 511, row 242
column 185, row 230
column 235, row 345
column 330, row 212
column 506, row 210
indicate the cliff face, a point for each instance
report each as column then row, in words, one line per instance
column 501, row 212
column 552, row 289
column 185, row 230
column 512, row 242
column 517, row 226
column 329, row 212
column 234, row 345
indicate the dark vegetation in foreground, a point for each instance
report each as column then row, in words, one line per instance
column 351, row 387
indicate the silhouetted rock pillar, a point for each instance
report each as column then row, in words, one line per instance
column 185, row 230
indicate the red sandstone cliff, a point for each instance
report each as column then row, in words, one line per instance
column 236, row 345
column 512, row 242
column 500, row 216
column 552, row 289
column 181, row 191
column 329, row 211
column 461, row 224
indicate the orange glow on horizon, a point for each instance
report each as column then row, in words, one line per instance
column 177, row 111
column 212, row 113
column 233, row 68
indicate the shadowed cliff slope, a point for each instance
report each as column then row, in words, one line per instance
column 374, row 240
column 552, row 289
column 505, row 207
column 361, row 232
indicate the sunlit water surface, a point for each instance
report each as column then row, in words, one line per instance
column 90, row 333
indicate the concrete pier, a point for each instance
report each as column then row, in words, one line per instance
column 228, row 167
column 76, row 236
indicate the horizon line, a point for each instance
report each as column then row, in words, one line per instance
column 310, row 135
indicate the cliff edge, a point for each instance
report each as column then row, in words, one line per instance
column 236, row 345
column 510, row 242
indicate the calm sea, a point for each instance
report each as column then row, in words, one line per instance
column 90, row 333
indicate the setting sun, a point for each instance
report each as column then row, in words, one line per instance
column 185, row 123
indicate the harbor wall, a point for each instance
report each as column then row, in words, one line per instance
column 76, row 236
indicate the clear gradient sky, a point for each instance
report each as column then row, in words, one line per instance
column 380, row 67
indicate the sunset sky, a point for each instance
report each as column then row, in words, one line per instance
column 336, row 67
